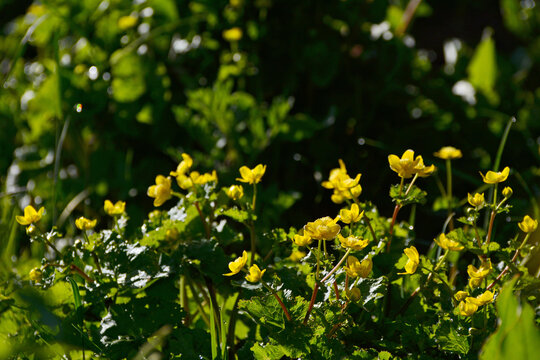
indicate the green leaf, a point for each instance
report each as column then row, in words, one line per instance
column 483, row 69
column 517, row 337
column 236, row 214
column 451, row 340
column 372, row 289
column 128, row 82
column 415, row 195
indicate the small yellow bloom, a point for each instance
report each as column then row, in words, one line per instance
column 161, row 192
column 448, row 244
column 481, row 299
column 461, row 295
column 344, row 186
column 233, row 34
column 30, row 215
column 201, row 179
column 478, row 275
column 408, row 165
column 297, row 255
column 235, row 192
column 412, row 263
column 507, row 192
column 352, row 242
column 302, row 240
column 448, row 152
column 477, row 200
column 493, row 177
column 423, row 170
column 356, row 268
column 324, row 228
column 351, row 216
column 184, row 181
column 115, row 209
column 126, row 22
column 252, row 176
column 467, row 308
column 36, row 274
column 354, row 294
column 528, row 225
column 184, row 166
column 83, row 223
column 237, row 265
column 255, row 274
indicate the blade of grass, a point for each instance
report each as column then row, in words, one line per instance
column 223, row 333
column 78, row 307
column 213, row 334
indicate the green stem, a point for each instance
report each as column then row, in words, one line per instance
column 365, row 217
column 449, row 197
column 318, row 261
column 205, row 224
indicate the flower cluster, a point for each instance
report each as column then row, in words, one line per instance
column 343, row 185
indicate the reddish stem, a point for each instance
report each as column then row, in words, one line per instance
column 336, row 290
column 78, row 270
column 394, row 217
column 282, row 306
column 490, row 229
column 312, row 302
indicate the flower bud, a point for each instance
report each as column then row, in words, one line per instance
column 31, row 230
column 36, row 274
column 171, row 234
column 354, row 294
column 507, row 192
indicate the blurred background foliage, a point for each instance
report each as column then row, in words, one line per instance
column 98, row 97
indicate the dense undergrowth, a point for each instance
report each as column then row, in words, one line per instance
column 188, row 176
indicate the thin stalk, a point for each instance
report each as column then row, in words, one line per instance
column 514, row 258
column 252, row 238
column 205, row 224
column 449, row 197
column 198, row 303
column 184, row 300
column 365, row 217
column 421, row 287
column 318, row 261
column 94, row 255
column 316, row 288
column 336, row 290
column 283, row 307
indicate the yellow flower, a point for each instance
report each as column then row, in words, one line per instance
column 405, row 167
column 233, row 34
column 161, row 192
column 467, row 308
column 412, row 263
column 184, row 166
column 493, row 177
column 201, row 179
column 507, row 192
column 356, row 268
column 324, row 228
column 297, row 255
column 126, row 22
column 302, row 240
column 423, row 170
column 36, row 274
column 481, row 299
column 83, row 223
column 448, row 152
column 235, row 192
column 255, row 274
column 477, row 200
column 461, row 295
column 172, row 234
column 528, row 225
column 30, row 215
column 344, row 186
column 448, row 244
column 185, row 182
column 352, row 242
column 351, row 216
column 237, row 265
column 252, row 176
column 114, row 209
column 477, row 275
